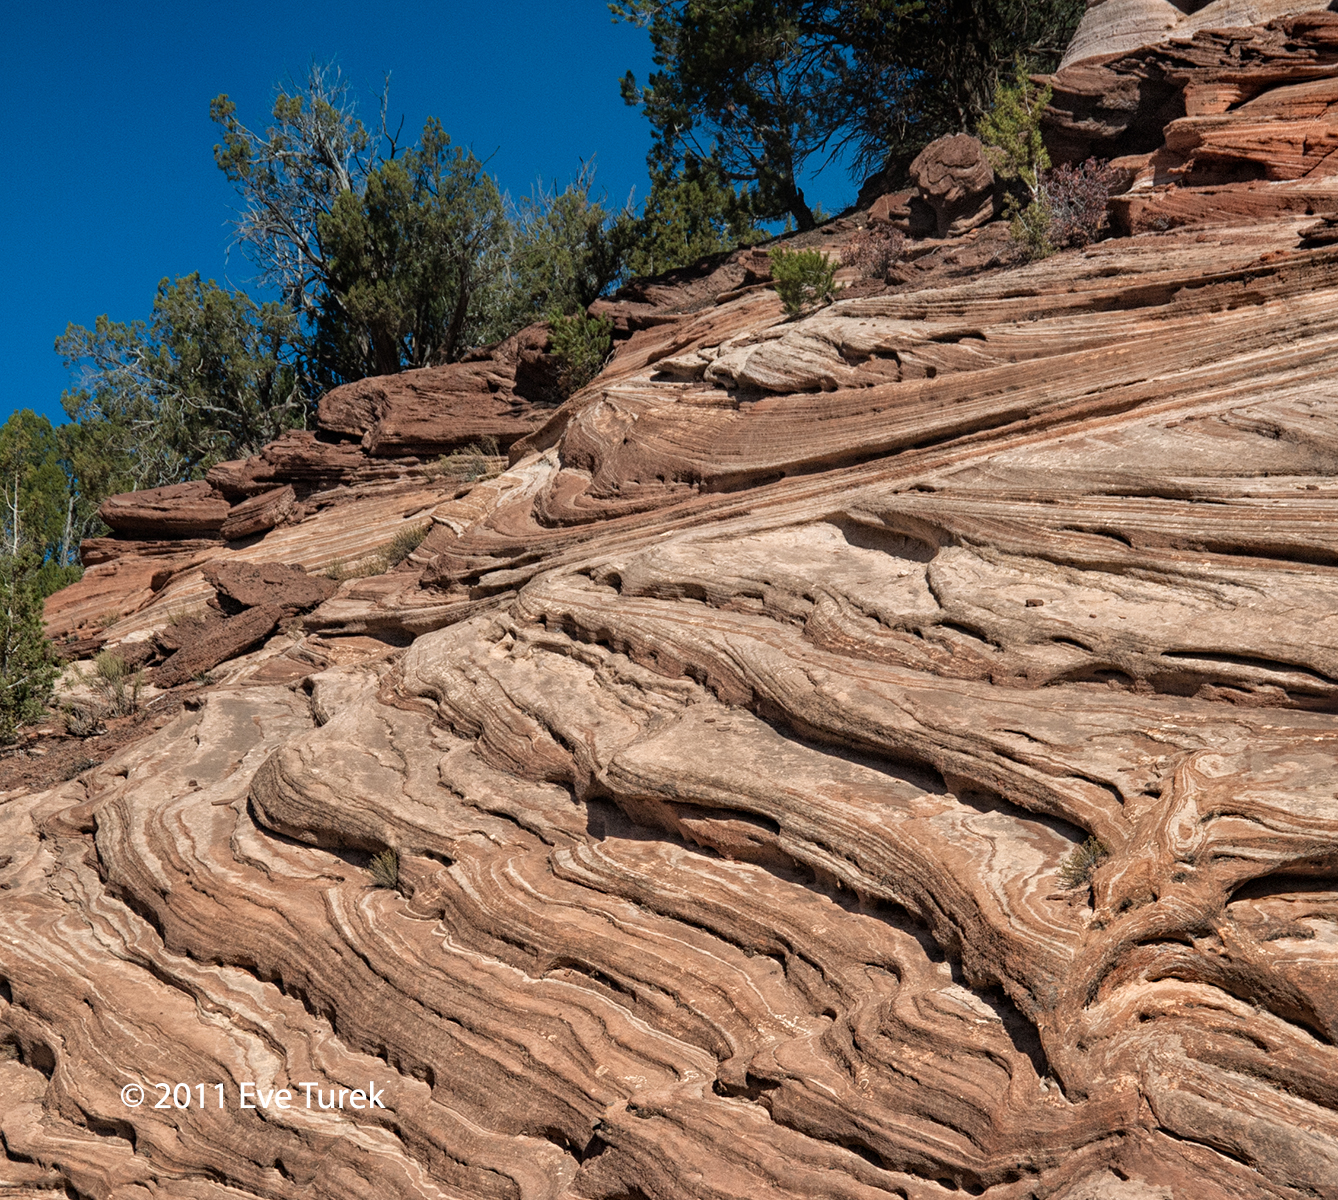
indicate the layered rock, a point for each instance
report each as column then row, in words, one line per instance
column 439, row 409
column 1222, row 120
column 888, row 752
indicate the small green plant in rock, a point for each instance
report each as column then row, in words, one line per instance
column 117, row 684
column 581, row 345
column 1076, row 869
column 385, row 869
column 82, row 720
column 404, row 544
column 470, row 463
column 77, row 766
column 802, row 277
column 1030, row 228
column 1011, row 132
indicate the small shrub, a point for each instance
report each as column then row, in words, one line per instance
column 385, row 869
column 1011, row 131
column 470, row 464
column 802, row 277
column 1070, row 209
column 77, row 766
column 82, row 720
column 581, row 344
column 117, row 684
column 404, row 544
column 1077, row 199
column 107, row 619
column 1076, row 869
column 336, row 570
column 203, row 678
column 873, row 250
column 1030, row 228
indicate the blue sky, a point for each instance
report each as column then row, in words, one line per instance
column 111, row 183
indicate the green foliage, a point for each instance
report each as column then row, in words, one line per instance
column 802, row 277
column 211, row 376
column 117, row 684
column 690, row 213
column 409, row 264
column 581, row 345
column 41, row 505
column 405, row 543
column 385, row 869
column 767, row 86
column 291, row 176
column 565, row 250
column 395, row 258
column 27, row 668
column 1030, row 227
column 1076, row 869
column 1011, row 131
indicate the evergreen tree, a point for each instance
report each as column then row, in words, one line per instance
column 211, row 376
column 764, row 87
column 41, row 504
column 690, row 214
column 411, row 262
column 27, row 669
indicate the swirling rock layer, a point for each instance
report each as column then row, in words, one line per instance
column 740, row 769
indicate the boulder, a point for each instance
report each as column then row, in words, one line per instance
column 220, row 641
column 497, row 394
column 243, row 585
column 259, row 513
column 181, row 510
column 956, row 180
column 298, row 459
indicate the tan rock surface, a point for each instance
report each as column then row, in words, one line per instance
column 750, row 723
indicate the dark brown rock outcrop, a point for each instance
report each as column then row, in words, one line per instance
column 956, row 180
column 259, row 513
column 252, row 585
column 439, row 409
column 216, row 643
column 182, row 510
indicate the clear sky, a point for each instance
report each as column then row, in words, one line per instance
column 110, row 182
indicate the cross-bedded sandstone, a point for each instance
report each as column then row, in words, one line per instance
column 750, row 727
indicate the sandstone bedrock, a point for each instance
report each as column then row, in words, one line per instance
column 741, row 731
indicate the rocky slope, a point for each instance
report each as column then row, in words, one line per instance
column 737, row 741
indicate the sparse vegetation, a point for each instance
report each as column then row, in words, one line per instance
column 802, row 277
column 203, row 678
column 385, row 869
column 1011, row 133
column 27, row 669
column 82, row 720
column 405, row 543
column 77, row 766
column 1076, row 198
column 1076, row 869
column 469, row 464
column 873, row 250
column 117, row 684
